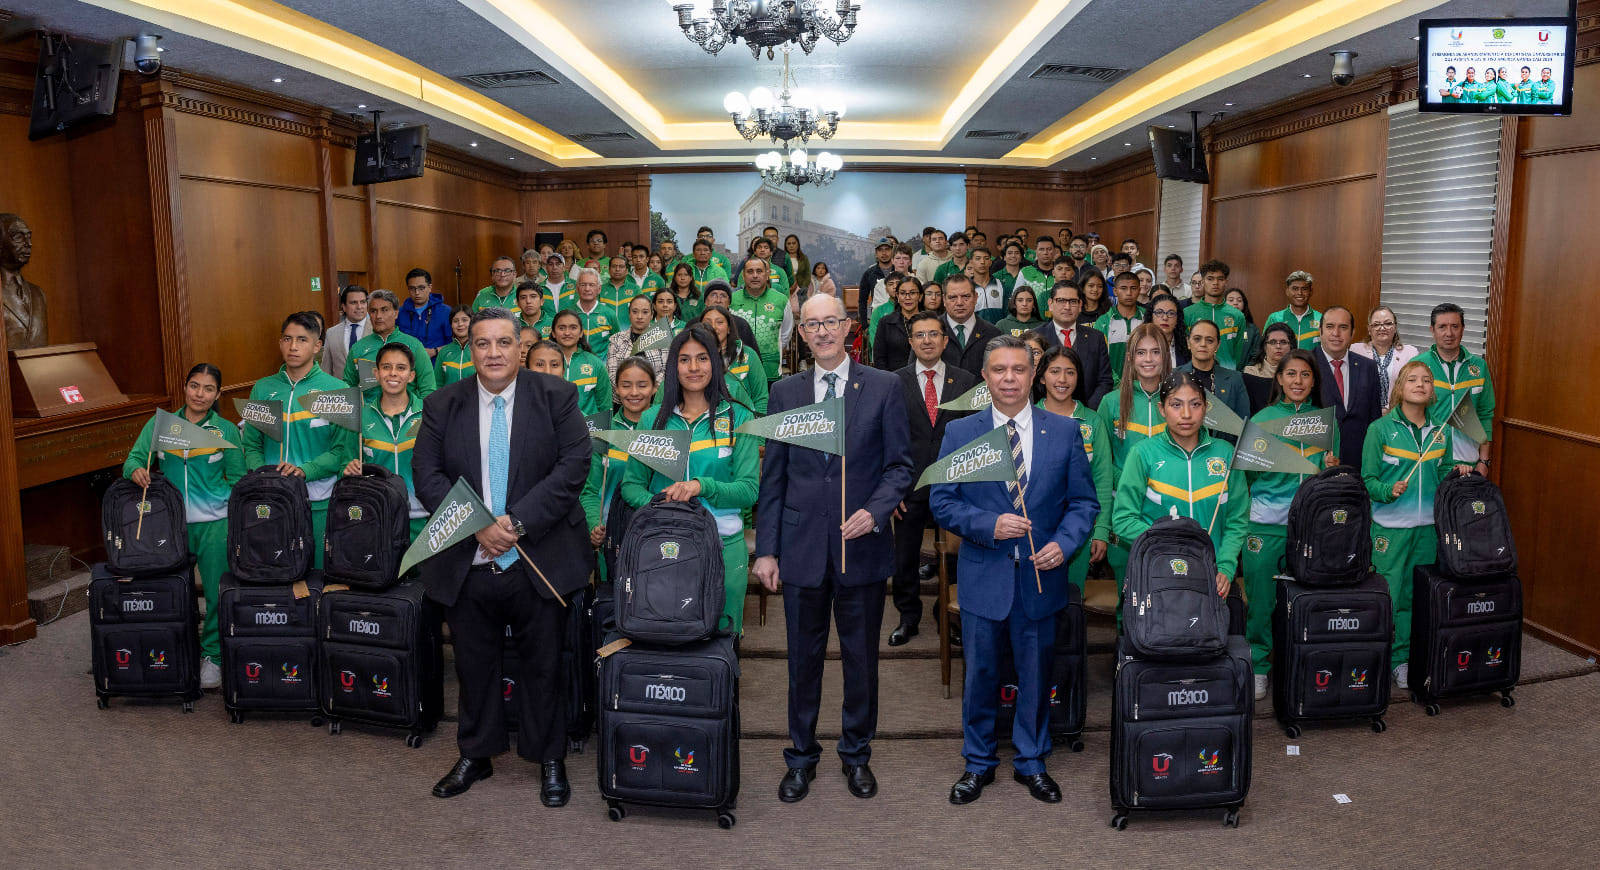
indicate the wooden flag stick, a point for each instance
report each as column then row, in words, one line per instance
column 842, row 518
column 541, row 575
column 1437, row 432
column 1033, row 552
column 144, row 495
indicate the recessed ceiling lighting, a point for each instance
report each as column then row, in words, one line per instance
column 473, row 144
column 511, row 158
column 1094, row 158
column 1227, row 104
column 277, row 81
column 159, row 48
column 1416, row 39
column 1172, row 126
column 1305, row 75
column 361, row 105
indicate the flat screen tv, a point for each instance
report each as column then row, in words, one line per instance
column 1497, row 66
column 76, row 82
column 1178, row 155
column 390, row 155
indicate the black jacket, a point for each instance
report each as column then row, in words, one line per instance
column 970, row 355
column 925, row 436
column 1091, row 348
column 1365, row 406
column 891, row 346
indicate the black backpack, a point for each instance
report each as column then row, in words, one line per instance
column 1170, row 606
column 146, row 532
column 269, row 527
column 1330, row 529
column 369, row 528
column 1474, row 529
column 669, row 583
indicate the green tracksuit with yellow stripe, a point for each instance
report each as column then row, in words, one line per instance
column 755, row 388
column 205, row 476
column 1403, row 535
column 728, row 469
column 606, row 470
column 1161, row 479
column 454, row 363
column 1230, row 323
column 1270, row 495
column 598, row 324
column 315, row 446
column 1144, row 421
column 366, row 350
column 487, row 298
column 1307, row 327
column 588, row 373
column 386, row 442
column 1097, row 447
column 1465, row 381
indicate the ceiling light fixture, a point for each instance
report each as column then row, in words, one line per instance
column 473, row 144
column 277, row 81
column 797, row 169
column 795, row 114
column 766, row 24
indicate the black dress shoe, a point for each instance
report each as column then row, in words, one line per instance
column 553, row 788
column 1041, row 786
column 955, row 634
column 859, row 778
column 970, row 786
column 902, row 634
column 461, row 777
column 796, row 784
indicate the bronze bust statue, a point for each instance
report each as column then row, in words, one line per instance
column 26, row 325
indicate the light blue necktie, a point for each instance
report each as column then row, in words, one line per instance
column 500, row 470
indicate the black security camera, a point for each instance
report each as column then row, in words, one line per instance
column 1344, row 67
column 147, row 53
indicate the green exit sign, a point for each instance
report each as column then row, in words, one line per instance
column 316, row 285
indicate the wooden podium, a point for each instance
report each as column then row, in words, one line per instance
column 60, row 379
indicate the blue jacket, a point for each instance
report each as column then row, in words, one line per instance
column 429, row 324
column 1061, row 503
column 797, row 511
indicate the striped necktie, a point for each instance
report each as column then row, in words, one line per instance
column 1020, row 486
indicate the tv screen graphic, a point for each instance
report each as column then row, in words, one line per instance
column 1506, row 66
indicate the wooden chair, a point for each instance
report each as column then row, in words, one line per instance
column 948, row 546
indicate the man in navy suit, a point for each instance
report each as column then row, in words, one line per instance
column 1066, row 303
column 798, row 539
column 1349, row 383
column 1006, row 591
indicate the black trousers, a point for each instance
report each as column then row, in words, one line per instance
column 907, row 582
column 858, row 610
column 488, row 603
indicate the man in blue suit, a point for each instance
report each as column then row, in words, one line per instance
column 798, row 536
column 1005, row 590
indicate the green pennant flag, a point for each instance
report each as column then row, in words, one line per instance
column 987, row 457
column 1220, row 417
column 819, row 426
column 340, row 407
column 460, row 516
column 596, row 423
column 366, row 375
column 666, row 451
column 263, row 415
column 1465, row 420
column 1313, row 428
column 1259, row 451
column 174, row 434
column 975, row 399
column 657, row 336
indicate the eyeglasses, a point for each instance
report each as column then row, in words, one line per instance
column 830, row 323
column 1277, row 342
column 502, row 271
column 1164, row 315
column 1381, row 325
column 928, row 335
column 1064, row 301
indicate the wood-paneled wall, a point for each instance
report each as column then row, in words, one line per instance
column 614, row 201
column 1123, row 205
column 1001, row 200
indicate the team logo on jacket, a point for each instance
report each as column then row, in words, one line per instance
column 353, row 513
column 1216, row 467
column 380, row 685
column 1210, row 761
column 685, row 761
column 1479, row 508
column 252, row 672
column 1086, row 432
column 669, row 549
column 1358, row 678
column 1340, row 517
column 638, row 754
column 723, row 425
column 1381, row 544
column 347, row 681
column 124, row 659
column 1253, row 543
column 263, row 511
column 290, row 672
column 1179, row 566
column 1473, row 370
column 1161, row 764
column 586, row 369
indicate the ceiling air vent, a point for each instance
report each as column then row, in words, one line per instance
column 613, row 136
column 1010, row 135
column 520, row 78
column 1075, row 72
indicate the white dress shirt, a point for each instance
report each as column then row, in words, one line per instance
column 485, row 421
column 820, row 386
column 1024, row 420
column 1343, row 376
column 938, row 375
column 970, row 325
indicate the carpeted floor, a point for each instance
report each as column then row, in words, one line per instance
column 141, row 785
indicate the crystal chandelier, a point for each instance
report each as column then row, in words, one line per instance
column 797, row 169
column 794, row 114
column 766, row 23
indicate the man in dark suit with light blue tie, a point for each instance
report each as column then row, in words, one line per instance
column 798, row 535
column 1009, row 593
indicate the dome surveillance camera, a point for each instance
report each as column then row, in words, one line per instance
column 147, row 54
column 1344, row 67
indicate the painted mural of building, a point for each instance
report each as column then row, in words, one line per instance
column 846, row 253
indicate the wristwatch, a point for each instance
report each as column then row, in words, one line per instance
column 517, row 527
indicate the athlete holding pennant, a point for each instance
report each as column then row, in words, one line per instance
column 819, row 426
column 975, row 399
column 597, row 423
column 1221, row 418
column 663, row 450
column 263, row 415
column 986, row 458
column 342, row 408
column 460, row 516
column 173, row 434
column 658, row 336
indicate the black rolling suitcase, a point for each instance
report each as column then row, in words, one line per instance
column 269, row 647
column 381, row 659
column 1332, row 648
column 1466, row 637
column 577, row 671
column 1069, row 672
column 145, row 636
column 1180, row 733
column 669, row 728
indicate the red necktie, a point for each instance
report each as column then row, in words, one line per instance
column 1338, row 377
column 1066, row 336
column 930, row 398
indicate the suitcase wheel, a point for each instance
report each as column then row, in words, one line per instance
column 1378, row 725
column 1506, row 700
column 1074, row 742
column 414, row 739
column 615, row 812
column 102, row 701
column 316, row 721
column 334, row 727
column 1292, row 730
column 236, row 717
column 1231, row 819
column 1431, row 709
column 1119, row 821
column 575, row 745
column 188, row 706
column 725, row 820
